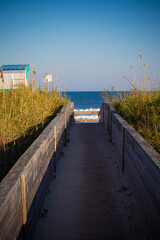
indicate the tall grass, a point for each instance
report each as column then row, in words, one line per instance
column 140, row 107
column 24, row 112
column 142, row 111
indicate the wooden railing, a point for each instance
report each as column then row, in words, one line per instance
column 22, row 190
column 139, row 161
column 94, row 112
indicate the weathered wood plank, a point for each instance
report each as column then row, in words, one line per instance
column 33, row 165
column 86, row 112
column 86, row 120
column 145, row 202
column 55, row 147
column 142, row 165
column 11, row 213
column 24, row 210
column 123, row 148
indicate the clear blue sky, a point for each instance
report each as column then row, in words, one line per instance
column 93, row 43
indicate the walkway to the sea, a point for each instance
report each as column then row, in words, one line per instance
column 89, row 198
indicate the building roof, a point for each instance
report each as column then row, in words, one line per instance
column 15, row 67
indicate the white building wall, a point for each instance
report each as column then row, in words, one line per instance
column 13, row 78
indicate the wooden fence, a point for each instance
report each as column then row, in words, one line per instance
column 140, row 162
column 22, row 190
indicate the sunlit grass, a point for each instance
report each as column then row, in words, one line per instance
column 140, row 106
column 24, row 112
column 24, row 108
column 142, row 111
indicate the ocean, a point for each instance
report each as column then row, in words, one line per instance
column 86, row 101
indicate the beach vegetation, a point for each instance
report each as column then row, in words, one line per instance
column 142, row 111
column 140, row 106
column 24, row 113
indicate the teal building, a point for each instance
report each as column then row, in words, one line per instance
column 12, row 76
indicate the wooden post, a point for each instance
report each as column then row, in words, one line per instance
column 123, row 147
column 47, row 87
column 65, row 126
column 110, row 126
column 55, row 147
column 103, row 112
column 24, row 208
column 73, row 116
column 72, row 119
column 108, row 120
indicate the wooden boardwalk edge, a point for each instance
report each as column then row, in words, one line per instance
column 86, row 120
column 86, row 112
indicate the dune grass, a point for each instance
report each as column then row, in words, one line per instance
column 142, row 111
column 140, row 106
column 24, row 113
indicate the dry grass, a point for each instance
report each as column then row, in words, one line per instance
column 142, row 111
column 24, row 113
column 140, row 107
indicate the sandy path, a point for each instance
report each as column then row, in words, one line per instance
column 90, row 198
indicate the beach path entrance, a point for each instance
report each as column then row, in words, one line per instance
column 90, row 198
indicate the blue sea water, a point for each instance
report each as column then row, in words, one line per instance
column 86, row 100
